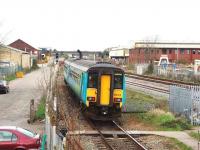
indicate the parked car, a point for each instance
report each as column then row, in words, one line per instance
column 4, row 87
column 15, row 138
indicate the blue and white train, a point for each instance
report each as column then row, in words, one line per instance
column 99, row 86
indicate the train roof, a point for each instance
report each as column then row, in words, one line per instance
column 85, row 65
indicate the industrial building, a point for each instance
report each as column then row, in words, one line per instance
column 146, row 52
column 118, row 53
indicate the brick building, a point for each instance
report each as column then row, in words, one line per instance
column 177, row 52
column 19, row 44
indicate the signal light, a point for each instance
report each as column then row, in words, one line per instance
column 91, row 99
column 117, row 100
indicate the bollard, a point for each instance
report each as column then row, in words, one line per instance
column 32, row 111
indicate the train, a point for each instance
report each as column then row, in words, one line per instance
column 99, row 86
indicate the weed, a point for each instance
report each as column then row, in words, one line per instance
column 10, row 77
column 180, row 145
column 164, row 120
column 195, row 135
column 40, row 113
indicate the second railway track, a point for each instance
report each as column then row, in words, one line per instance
column 148, row 87
column 158, row 80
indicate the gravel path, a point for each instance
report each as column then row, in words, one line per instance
column 179, row 135
column 15, row 106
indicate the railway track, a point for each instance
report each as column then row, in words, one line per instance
column 115, row 142
column 158, row 80
column 145, row 86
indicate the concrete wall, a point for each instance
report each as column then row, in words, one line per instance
column 18, row 57
column 26, row 62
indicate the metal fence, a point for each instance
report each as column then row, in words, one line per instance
column 172, row 71
column 8, row 68
column 185, row 100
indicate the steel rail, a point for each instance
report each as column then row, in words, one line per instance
column 140, row 146
column 100, row 133
column 158, row 80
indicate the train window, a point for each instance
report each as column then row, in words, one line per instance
column 93, row 80
column 118, row 81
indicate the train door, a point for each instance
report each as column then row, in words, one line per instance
column 105, row 89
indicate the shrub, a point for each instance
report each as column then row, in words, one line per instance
column 179, row 123
column 150, row 69
column 34, row 66
column 164, row 120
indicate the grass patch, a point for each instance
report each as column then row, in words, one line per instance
column 195, row 135
column 10, row 77
column 140, row 102
column 154, row 112
column 40, row 113
column 163, row 120
column 179, row 144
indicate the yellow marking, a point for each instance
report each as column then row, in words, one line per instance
column 118, row 93
column 105, row 90
column 91, row 92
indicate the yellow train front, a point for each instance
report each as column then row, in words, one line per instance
column 101, row 89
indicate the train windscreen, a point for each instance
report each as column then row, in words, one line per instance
column 118, row 81
column 93, row 80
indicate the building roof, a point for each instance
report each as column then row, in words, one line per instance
column 19, row 44
column 165, row 45
column 12, row 48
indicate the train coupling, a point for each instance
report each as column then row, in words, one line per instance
column 104, row 110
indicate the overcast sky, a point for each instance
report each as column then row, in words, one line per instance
column 98, row 24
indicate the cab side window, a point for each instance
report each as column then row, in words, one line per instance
column 92, row 80
column 118, row 81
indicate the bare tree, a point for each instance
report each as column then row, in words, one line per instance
column 149, row 49
column 3, row 34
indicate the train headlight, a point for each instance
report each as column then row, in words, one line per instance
column 91, row 99
column 117, row 100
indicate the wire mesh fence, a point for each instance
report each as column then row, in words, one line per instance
column 185, row 100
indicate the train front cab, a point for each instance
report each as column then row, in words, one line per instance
column 105, row 92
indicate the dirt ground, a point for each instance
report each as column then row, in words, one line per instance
column 15, row 106
column 132, row 123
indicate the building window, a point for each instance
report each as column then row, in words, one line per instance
column 182, row 51
column 188, row 51
column 157, row 51
column 199, row 52
column 146, row 51
column 170, row 51
column 176, row 51
column 138, row 51
column 193, row 51
column 164, row 51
